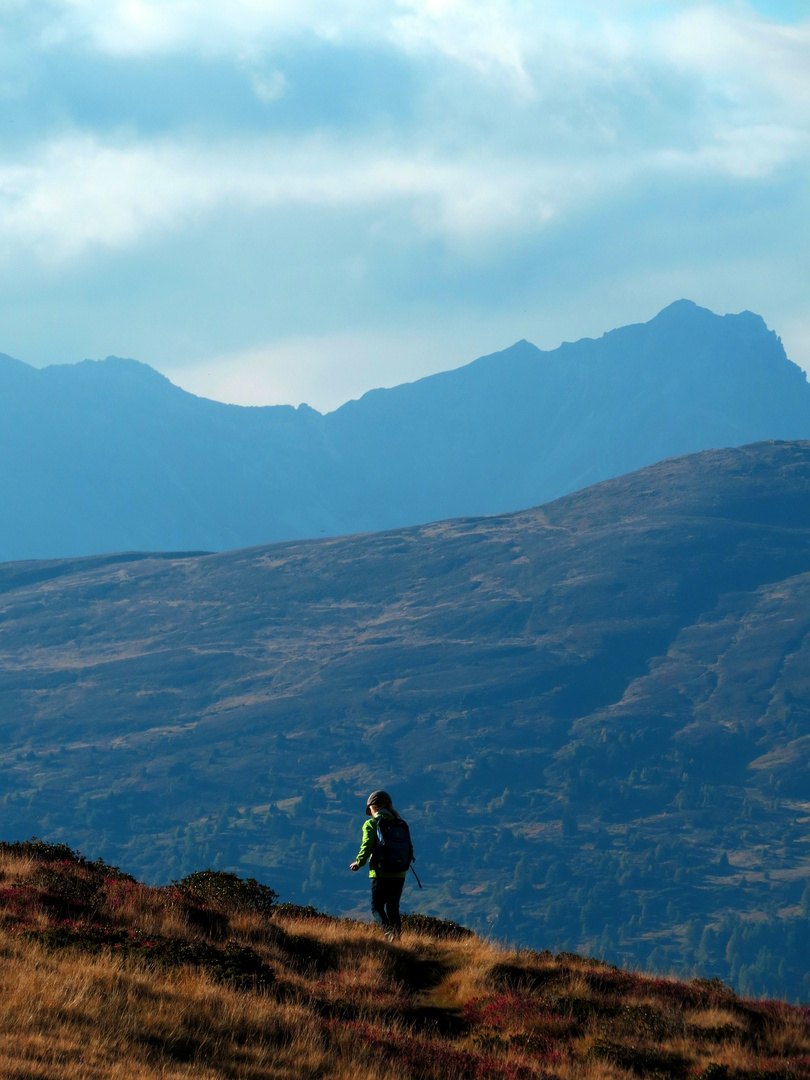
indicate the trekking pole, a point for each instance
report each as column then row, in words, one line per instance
column 418, row 882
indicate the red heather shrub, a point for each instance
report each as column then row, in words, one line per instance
column 18, row 903
column 774, row 1010
column 428, row 1058
column 508, row 1012
column 519, row 1021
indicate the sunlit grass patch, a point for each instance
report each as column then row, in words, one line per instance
column 103, row 977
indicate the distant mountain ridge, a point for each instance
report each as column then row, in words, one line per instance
column 110, row 456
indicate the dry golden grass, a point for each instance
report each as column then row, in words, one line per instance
column 336, row 1000
column 67, row 1015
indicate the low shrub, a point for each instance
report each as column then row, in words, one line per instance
column 225, row 890
column 60, row 881
column 714, row 988
column 507, row 1012
column 434, row 927
column 649, row 1022
column 41, row 849
column 19, row 903
column 612, row 980
column 582, row 1009
column 47, row 852
column 299, row 911
column 516, row 1021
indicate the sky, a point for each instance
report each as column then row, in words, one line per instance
column 285, row 201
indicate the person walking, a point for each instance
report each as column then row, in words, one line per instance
column 386, row 881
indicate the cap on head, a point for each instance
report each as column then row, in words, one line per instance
column 378, row 798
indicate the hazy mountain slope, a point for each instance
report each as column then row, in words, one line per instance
column 522, row 426
column 596, row 714
column 109, row 456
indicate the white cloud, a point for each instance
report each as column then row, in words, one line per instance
column 136, row 27
column 77, row 192
column 80, row 192
column 568, row 140
column 322, row 370
column 269, row 87
column 745, row 153
column 579, row 73
column 722, row 62
column 753, row 60
column 491, row 37
column 487, row 34
column 519, row 114
column 795, row 334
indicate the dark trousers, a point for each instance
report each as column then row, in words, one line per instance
column 385, row 895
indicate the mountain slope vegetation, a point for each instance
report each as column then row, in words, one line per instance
column 103, row 977
column 595, row 714
column 110, row 456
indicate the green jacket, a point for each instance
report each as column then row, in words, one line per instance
column 369, row 843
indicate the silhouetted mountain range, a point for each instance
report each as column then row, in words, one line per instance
column 110, row 456
column 595, row 714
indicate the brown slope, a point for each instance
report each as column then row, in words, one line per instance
column 601, row 696
column 207, row 981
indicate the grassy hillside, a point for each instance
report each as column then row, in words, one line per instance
column 595, row 715
column 208, row 978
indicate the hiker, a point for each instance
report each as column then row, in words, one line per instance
column 388, row 861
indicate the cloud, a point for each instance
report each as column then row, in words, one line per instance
column 743, row 153
column 795, row 334
column 529, row 40
column 80, row 192
column 552, row 77
column 270, row 86
column 323, row 370
column 375, row 156
column 539, row 115
column 138, row 27
column 748, row 61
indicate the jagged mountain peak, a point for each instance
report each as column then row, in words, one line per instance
column 109, row 455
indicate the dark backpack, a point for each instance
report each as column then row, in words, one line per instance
column 393, row 852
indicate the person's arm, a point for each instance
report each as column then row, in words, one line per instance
column 366, row 845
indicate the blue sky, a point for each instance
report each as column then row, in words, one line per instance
column 299, row 200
